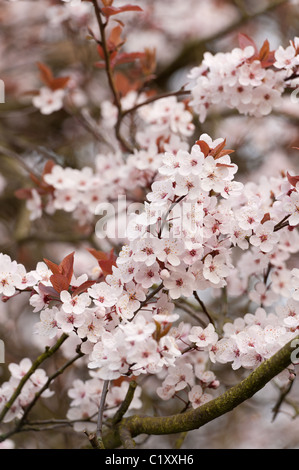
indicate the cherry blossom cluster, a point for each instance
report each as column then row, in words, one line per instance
column 193, row 269
column 163, row 125
column 190, row 374
column 159, row 121
column 246, row 79
column 13, row 276
column 248, row 341
column 267, row 225
column 196, row 218
column 78, row 16
column 32, row 386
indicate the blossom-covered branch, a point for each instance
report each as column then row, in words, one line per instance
column 204, row 414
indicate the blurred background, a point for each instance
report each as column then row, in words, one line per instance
column 59, row 35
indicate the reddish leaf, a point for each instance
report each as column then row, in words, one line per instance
column 106, row 261
column 224, row 152
column 48, row 167
column 123, row 378
column 128, row 57
column 165, row 331
column 293, row 180
column 106, row 267
column 265, row 218
column 67, row 266
column 99, row 255
column 266, row 56
column 123, row 84
column 107, row 3
column 161, row 264
column 83, row 287
column 224, row 165
column 264, row 51
column 148, row 62
column 215, row 151
column 47, row 78
column 245, row 41
column 109, row 11
column 115, row 39
column 59, row 282
column 46, row 75
column 203, row 147
column 295, row 47
column 101, row 51
column 269, row 61
column 59, row 82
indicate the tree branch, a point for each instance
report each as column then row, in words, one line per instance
column 204, row 309
column 125, row 404
column 46, row 386
column 193, row 51
column 109, row 73
column 126, row 437
column 48, row 353
column 194, row 419
column 99, row 431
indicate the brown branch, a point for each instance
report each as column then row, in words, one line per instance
column 188, row 309
column 150, row 100
column 284, row 391
column 105, row 48
column 125, row 404
column 126, row 438
column 109, row 73
column 204, row 309
column 283, row 223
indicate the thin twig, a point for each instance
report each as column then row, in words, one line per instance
column 179, row 303
column 173, row 204
column 203, row 307
column 149, row 297
column 282, row 223
column 109, row 73
column 284, row 391
column 48, row 353
column 150, row 100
